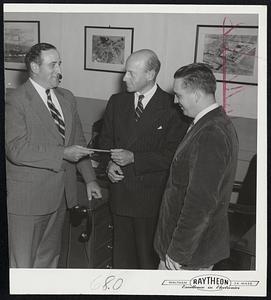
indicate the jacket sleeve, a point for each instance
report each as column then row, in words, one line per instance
column 160, row 159
column 84, row 166
column 20, row 149
column 208, row 161
column 106, row 139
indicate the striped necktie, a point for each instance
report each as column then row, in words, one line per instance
column 139, row 109
column 56, row 115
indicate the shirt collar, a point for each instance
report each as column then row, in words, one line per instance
column 41, row 90
column 149, row 93
column 37, row 86
column 205, row 111
column 147, row 96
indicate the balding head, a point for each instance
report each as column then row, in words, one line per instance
column 142, row 68
column 149, row 58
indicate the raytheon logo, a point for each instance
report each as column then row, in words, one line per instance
column 210, row 282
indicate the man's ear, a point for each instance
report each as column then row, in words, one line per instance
column 34, row 67
column 198, row 95
column 151, row 75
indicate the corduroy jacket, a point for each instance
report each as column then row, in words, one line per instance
column 193, row 222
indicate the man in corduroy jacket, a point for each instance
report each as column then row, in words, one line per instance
column 192, row 231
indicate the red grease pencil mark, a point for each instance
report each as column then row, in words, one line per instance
column 238, row 89
column 236, row 92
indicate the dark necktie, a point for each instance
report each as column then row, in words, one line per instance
column 56, row 115
column 190, row 127
column 139, row 109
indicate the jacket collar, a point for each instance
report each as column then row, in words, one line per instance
column 43, row 113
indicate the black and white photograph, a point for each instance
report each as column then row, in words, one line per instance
column 231, row 51
column 19, row 37
column 107, row 48
column 136, row 149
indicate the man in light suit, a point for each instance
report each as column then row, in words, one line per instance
column 193, row 231
column 44, row 147
column 143, row 129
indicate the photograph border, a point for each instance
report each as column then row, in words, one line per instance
column 16, row 66
column 89, row 31
column 166, row 283
column 199, row 48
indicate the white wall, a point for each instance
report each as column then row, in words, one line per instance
column 171, row 36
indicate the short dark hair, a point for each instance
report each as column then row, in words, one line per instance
column 34, row 54
column 197, row 76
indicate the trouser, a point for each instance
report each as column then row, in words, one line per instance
column 35, row 241
column 162, row 266
column 133, row 243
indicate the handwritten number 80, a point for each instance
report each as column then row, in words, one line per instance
column 111, row 281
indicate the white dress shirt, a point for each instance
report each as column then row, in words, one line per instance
column 41, row 91
column 147, row 96
column 204, row 112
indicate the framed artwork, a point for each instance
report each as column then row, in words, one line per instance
column 107, row 48
column 19, row 37
column 231, row 52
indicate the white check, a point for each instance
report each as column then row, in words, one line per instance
column 99, row 150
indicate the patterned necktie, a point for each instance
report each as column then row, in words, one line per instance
column 139, row 109
column 56, row 115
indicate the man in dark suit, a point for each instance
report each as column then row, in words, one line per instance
column 143, row 129
column 44, row 147
column 192, row 231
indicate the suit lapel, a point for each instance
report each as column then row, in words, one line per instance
column 151, row 112
column 130, row 122
column 154, row 107
column 195, row 129
column 66, row 109
column 41, row 110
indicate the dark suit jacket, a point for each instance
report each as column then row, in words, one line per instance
column 153, row 140
column 193, row 223
column 37, row 175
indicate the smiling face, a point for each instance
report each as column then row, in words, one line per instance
column 185, row 98
column 47, row 73
column 137, row 78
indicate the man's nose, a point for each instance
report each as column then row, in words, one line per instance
column 176, row 100
column 125, row 77
column 58, row 69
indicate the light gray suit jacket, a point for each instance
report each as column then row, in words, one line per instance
column 37, row 175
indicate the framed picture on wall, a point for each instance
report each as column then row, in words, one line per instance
column 231, row 51
column 107, row 48
column 19, row 37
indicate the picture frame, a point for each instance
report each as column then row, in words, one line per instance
column 19, row 37
column 231, row 52
column 107, row 48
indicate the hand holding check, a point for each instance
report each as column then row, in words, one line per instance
column 122, row 157
column 75, row 152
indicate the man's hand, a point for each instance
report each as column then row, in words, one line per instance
column 74, row 153
column 122, row 157
column 114, row 172
column 171, row 264
column 93, row 190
